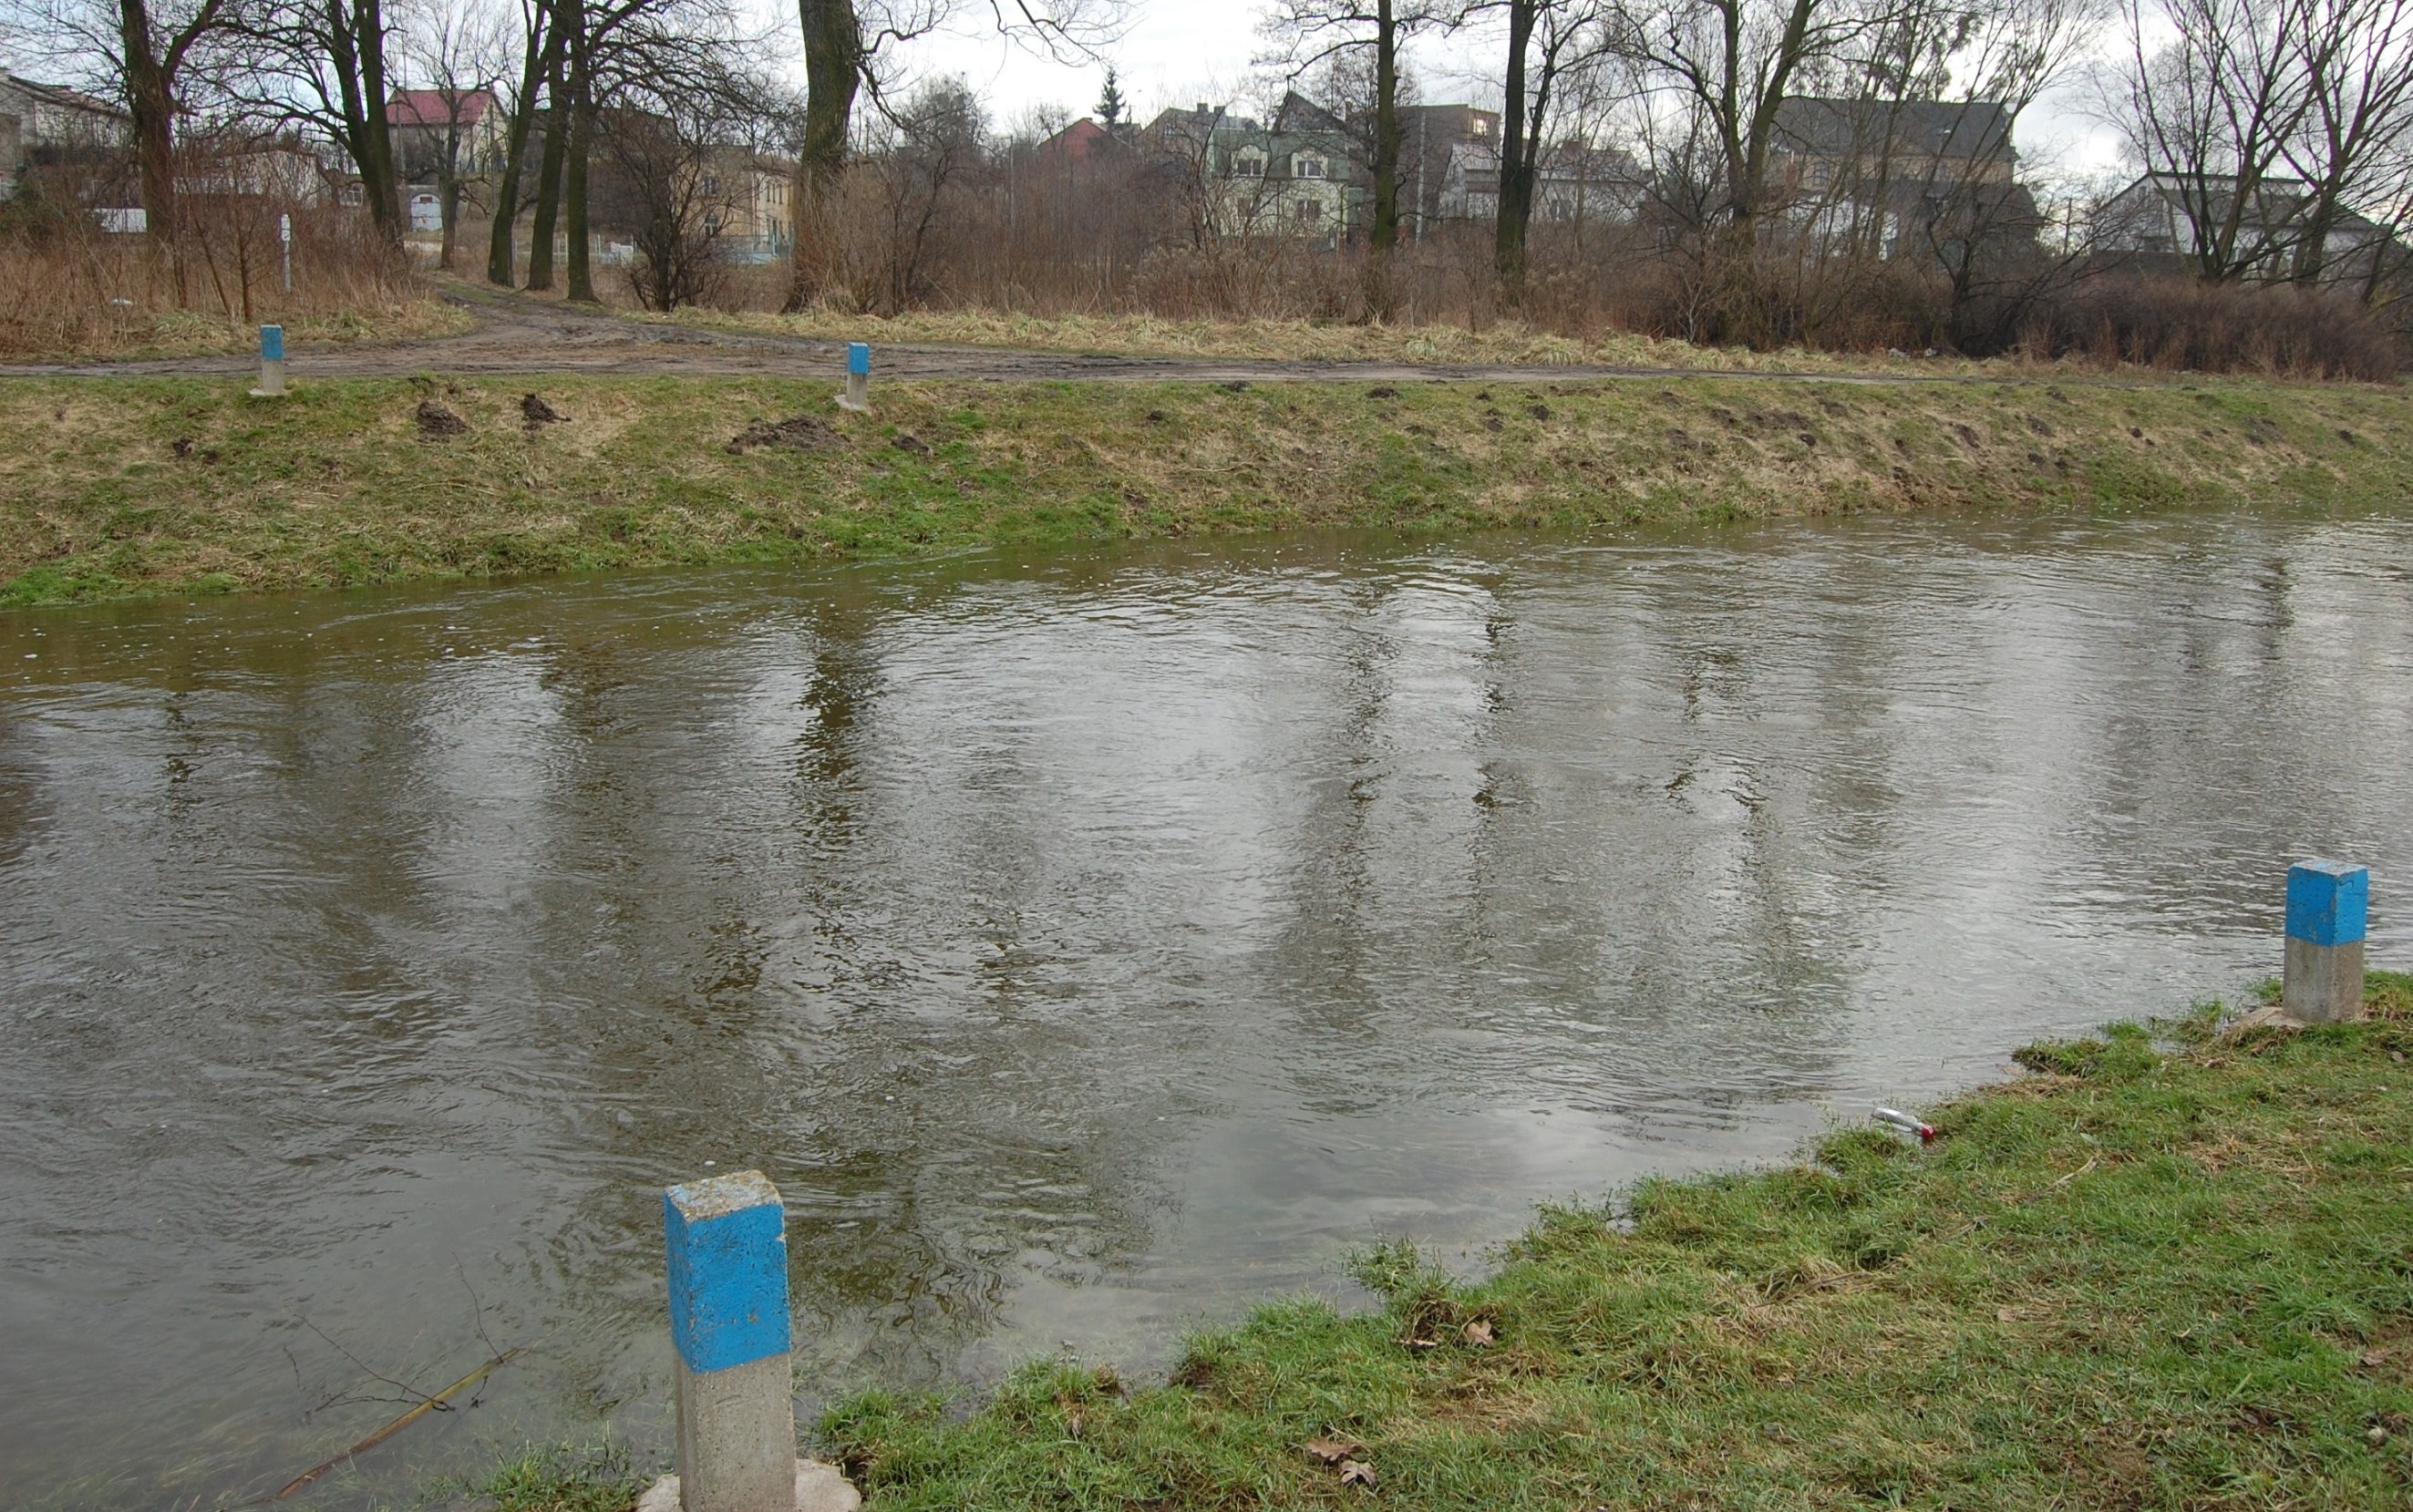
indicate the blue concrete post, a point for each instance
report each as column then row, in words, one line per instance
column 858, row 376
column 2327, row 901
column 728, row 1243
column 271, row 363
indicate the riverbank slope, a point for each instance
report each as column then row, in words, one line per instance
column 124, row 486
column 2170, row 1270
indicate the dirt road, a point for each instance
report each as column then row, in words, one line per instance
column 525, row 336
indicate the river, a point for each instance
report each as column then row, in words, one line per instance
column 1086, row 943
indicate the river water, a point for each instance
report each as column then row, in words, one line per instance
column 1087, row 945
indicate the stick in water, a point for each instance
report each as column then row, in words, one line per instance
column 443, row 1399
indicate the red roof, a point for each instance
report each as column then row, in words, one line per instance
column 437, row 107
column 1081, row 141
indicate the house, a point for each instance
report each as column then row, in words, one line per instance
column 1247, row 178
column 750, row 213
column 2164, row 218
column 1865, row 147
column 279, row 169
column 1085, row 144
column 1576, row 183
column 428, row 127
column 61, row 132
column 1430, row 136
column 1923, row 178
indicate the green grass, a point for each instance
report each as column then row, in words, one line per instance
column 121, row 487
column 2173, row 1270
column 591, row 1478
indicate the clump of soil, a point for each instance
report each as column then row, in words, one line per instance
column 798, row 433
column 538, row 413
column 914, row 444
column 435, row 420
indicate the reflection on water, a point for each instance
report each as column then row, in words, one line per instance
column 1084, row 945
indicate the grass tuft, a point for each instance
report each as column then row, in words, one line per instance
column 590, row 1479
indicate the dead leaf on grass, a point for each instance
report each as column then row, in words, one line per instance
column 1357, row 1473
column 1332, row 1451
column 1478, row 1332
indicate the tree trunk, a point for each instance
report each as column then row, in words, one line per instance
column 499, row 247
column 581, row 147
column 1516, row 166
column 386, row 202
column 448, row 192
column 356, row 47
column 1386, row 129
column 150, row 99
column 832, row 73
column 548, row 177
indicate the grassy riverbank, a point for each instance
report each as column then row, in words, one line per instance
column 2169, row 1271
column 120, row 487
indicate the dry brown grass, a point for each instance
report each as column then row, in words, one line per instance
column 1497, row 343
column 68, row 291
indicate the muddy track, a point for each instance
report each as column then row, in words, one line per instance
column 526, row 337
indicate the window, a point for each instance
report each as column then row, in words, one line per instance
column 1307, row 167
column 1248, row 166
column 1310, row 211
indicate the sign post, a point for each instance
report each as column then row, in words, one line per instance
column 858, row 376
column 2327, row 904
column 271, row 363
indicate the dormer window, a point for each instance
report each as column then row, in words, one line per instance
column 1307, row 167
column 1248, row 166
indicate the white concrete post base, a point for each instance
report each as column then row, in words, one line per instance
column 737, row 1436
column 271, row 379
column 858, row 392
column 819, row 1488
column 2324, row 982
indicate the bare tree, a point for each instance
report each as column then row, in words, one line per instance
column 460, row 49
column 1547, row 39
column 539, row 54
column 2210, row 113
column 1732, row 63
column 846, row 43
column 2357, row 138
column 1312, row 32
column 142, row 52
column 932, row 140
column 322, row 66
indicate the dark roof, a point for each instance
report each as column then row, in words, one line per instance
column 1298, row 114
column 437, row 107
column 2277, row 201
column 1933, row 128
column 1201, row 121
column 73, row 99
